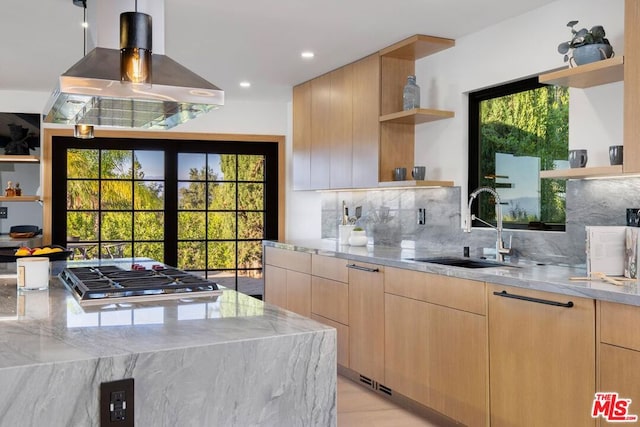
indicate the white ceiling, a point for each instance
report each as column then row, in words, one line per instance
column 226, row 41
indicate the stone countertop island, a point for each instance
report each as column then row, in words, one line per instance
column 225, row 360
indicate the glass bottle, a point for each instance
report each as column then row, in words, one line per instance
column 18, row 190
column 411, row 94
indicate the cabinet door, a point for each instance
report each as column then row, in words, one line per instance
column 437, row 356
column 302, row 136
column 299, row 293
column 340, row 124
column 457, row 364
column 366, row 320
column 406, row 347
column 542, row 359
column 366, row 111
column 275, row 285
column 619, row 373
column 320, row 132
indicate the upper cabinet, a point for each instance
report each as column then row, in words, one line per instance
column 611, row 70
column 335, row 128
column 349, row 130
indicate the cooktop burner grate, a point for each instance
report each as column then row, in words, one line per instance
column 106, row 284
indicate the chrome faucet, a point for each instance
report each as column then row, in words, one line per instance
column 501, row 250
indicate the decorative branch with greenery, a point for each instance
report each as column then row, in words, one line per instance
column 582, row 37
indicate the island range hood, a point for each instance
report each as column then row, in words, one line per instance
column 91, row 91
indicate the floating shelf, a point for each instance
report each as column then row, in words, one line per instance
column 19, row 158
column 416, row 47
column 412, row 183
column 416, row 116
column 584, row 76
column 577, row 173
column 19, row 199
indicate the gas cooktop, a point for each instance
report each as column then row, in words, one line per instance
column 110, row 284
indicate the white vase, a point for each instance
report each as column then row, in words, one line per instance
column 344, row 232
column 358, row 238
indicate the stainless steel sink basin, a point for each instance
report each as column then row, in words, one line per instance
column 462, row 262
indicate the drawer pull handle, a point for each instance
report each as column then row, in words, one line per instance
column 358, row 267
column 531, row 299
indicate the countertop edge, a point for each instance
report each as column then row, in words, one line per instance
column 547, row 278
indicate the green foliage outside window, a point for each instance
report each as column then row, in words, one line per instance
column 530, row 124
column 110, row 199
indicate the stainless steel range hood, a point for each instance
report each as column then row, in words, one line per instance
column 92, row 93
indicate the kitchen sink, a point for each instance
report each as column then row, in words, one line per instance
column 462, row 262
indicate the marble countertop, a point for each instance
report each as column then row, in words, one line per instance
column 518, row 273
column 38, row 327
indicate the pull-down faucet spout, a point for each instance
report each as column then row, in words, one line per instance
column 501, row 251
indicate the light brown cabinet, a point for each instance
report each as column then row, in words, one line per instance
column 619, row 353
column 287, row 280
column 330, row 299
column 366, row 320
column 436, row 343
column 542, row 358
column 335, row 128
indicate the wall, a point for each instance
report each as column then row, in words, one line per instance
column 516, row 48
column 390, row 219
column 520, row 47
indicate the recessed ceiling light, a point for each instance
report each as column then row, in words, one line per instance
column 307, row 55
column 245, row 84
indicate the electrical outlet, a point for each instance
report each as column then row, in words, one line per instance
column 422, row 216
column 116, row 403
column 4, row 212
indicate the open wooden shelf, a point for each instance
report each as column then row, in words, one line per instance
column 413, row 183
column 578, row 173
column 584, row 76
column 19, row 199
column 416, row 47
column 19, row 158
column 416, row 116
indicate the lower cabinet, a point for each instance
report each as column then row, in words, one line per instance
column 287, row 280
column 437, row 354
column 542, row 358
column 619, row 362
column 366, row 320
column 330, row 299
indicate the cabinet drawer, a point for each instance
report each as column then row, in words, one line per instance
column 330, row 299
column 291, row 260
column 618, row 323
column 329, row 268
column 343, row 338
column 461, row 294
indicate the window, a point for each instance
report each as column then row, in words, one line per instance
column 204, row 206
column 515, row 131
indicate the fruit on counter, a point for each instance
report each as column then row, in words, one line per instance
column 23, row 250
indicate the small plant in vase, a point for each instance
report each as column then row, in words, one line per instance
column 358, row 237
column 585, row 45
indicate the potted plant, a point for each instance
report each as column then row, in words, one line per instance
column 358, row 237
column 586, row 45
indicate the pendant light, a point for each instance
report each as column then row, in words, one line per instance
column 83, row 131
column 135, row 47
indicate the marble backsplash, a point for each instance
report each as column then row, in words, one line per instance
column 390, row 218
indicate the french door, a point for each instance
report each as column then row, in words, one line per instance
column 203, row 206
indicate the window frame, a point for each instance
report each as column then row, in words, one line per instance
column 475, row 98
column 171, row 147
